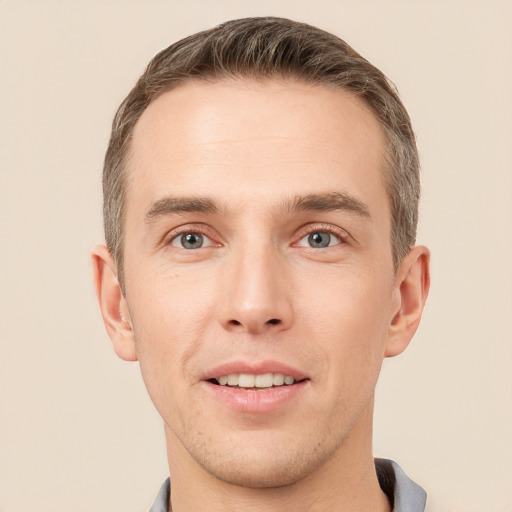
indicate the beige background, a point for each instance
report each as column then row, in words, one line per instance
column 77, row 431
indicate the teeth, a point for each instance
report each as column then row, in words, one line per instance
column 264, row 381
column 247, row 380
column 278, row 379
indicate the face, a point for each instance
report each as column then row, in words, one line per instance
column 257, row 251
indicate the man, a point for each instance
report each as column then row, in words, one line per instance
column 260, row 203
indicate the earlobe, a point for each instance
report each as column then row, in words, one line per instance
column 411, row 288
column 114, row 308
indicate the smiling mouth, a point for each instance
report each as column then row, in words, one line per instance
column 255, row 382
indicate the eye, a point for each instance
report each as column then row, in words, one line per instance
column 191, row 240
column 319, row 240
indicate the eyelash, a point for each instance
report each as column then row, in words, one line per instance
column 309, row 229
column 304, row 231
column 185, row 230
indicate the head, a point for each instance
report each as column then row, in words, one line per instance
column 261, row 189
column 263, row 49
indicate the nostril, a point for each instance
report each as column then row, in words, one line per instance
column 237, row 323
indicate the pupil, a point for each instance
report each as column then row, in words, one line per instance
column 318, row 239
column 192, row 240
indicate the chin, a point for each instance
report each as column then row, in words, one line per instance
column 260, row 467
column 278, row 475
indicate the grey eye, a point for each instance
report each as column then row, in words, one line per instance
column 319, row 239
column 189, row 241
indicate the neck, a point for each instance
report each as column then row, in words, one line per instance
column 346, row 482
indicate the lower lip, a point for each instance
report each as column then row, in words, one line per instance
column 256, row 401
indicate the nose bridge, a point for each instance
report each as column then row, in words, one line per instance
column 257, row 298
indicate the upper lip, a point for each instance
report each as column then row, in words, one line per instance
column 254, row 368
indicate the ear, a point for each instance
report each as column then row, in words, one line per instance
column 411, row 287
column 113, row 305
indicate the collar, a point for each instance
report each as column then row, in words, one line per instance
column 404, row 494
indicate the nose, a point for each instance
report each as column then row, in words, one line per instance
column 256, row 296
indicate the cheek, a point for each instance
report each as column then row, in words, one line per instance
column 167, row 301
column 170, row 315
column 348, row 320
column 344, row 300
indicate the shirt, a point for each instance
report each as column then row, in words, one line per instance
column 404, row 494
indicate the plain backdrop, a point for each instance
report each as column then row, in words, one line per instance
column 77, row 431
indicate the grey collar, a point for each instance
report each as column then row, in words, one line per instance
column 404, row 494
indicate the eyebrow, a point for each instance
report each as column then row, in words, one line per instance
column 172, row 205
column 331, row 201
column 328, row 202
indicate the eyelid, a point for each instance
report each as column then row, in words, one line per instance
column 175, row 241
column 190, row 228
column 302, row 232
column 338, row 232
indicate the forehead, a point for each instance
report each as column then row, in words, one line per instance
column 256, row 139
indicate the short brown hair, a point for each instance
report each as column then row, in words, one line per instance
column 266, row 48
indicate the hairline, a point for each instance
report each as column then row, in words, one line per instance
column 278, row 76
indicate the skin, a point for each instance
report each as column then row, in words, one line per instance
column 257, row 291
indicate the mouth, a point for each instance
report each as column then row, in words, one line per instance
column 255, row 382
column 257, row 387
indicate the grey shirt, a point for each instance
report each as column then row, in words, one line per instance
column 403, row 493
